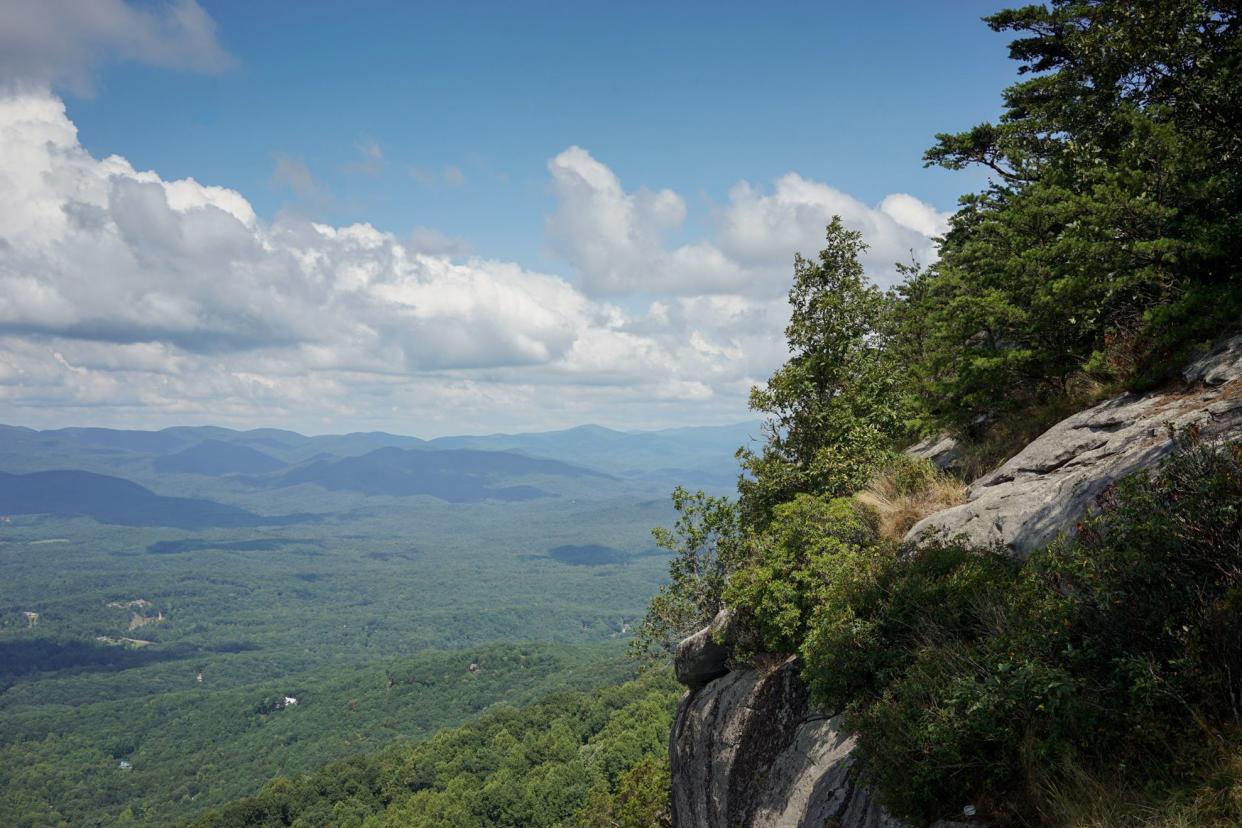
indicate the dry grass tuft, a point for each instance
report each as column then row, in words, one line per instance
column 908, row 490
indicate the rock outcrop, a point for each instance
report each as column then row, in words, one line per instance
column 748, row 749
column 942, row 450
column 704, row 656
column 1050, row 484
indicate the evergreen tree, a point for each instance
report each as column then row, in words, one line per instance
column 1108, row 239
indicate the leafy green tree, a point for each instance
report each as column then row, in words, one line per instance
column 643, row 794
column 707, row 546
column 641, row 799
column 834, row 407
column 809, row 539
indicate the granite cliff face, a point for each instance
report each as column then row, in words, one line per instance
column 748, row 748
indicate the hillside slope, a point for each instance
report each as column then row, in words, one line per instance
column 572, row 759
column 201, row 745
column 217, row 457
column 748, row 749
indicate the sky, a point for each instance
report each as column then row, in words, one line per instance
column 444, row 218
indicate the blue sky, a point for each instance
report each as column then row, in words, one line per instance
column 562, row 212
column 690, row 96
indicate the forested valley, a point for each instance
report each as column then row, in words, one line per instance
column 180, row 621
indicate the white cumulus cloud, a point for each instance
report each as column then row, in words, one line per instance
column 127, row 299
column 616, row 239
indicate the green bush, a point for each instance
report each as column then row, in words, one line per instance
column 793, row 562
column 909, row 476
column 968, row 680
column 881, row 608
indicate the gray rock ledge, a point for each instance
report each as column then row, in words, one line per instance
column 1049, row 485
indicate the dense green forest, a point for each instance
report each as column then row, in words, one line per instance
column 589, row 759
column 189, row 747
column 105, row 632
column 128, row 636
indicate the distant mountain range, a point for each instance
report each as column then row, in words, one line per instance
column 113, row 500
column 455, row 475
column 703, row 450
column 217, row 457
column 700, row 455
column 91, row 471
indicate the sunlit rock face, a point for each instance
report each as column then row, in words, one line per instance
column 749, row 749
column 1048, row 486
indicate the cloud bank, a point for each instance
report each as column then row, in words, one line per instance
column 131, row 300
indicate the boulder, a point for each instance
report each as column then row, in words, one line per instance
column 1218, row 366
column 704, row 656
column 1049, row 485
column 748, row 749
column 942, row 450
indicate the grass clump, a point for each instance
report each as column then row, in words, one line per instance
column 907, row 490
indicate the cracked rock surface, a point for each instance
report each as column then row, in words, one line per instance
column 1048, row 486
column 748, row 749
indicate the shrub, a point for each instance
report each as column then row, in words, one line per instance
column 793, row 562
column 969, row 680
column 882, row 607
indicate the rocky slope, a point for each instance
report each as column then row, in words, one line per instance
column 748, row 749
column 1050, row 484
